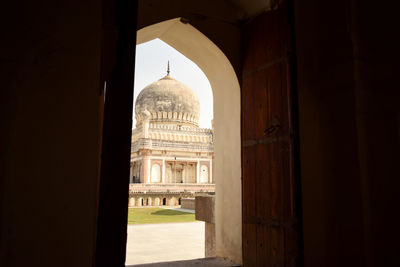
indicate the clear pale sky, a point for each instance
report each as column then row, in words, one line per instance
column 151, row 65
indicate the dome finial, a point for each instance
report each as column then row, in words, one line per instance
column 168, row 69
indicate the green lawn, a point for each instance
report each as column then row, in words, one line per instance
column 157, row 215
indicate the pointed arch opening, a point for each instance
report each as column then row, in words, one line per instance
column 226, row 95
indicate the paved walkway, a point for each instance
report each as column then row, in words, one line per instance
column 151, row 243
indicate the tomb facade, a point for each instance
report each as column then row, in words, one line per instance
column 171, row 156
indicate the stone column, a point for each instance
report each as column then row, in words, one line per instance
column 174, row 172
column 140, row 169
column 146, row 169
column 163, row 172
column 131, row 174
column 198, row 172
column 131, row 202
column 184, row 173
column 141, row 179
column 210, row 180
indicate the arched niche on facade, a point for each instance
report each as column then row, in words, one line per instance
column 203, row 174
column 155, row 173
column 226, row 95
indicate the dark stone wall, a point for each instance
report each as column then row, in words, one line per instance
column 50, row 75
column 349, row 135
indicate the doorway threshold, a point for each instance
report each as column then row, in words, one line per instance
column 209, row 262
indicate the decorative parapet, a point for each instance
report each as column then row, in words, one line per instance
column 146, row 143
column 175, row 128
column 171, row 188
column 166, row 117
column 173, row 133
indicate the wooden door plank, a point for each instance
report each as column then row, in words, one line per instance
column 270, row 232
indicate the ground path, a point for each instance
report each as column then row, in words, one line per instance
column 148, row 243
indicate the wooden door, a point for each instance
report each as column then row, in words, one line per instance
column 117, row 69
column 270, row 188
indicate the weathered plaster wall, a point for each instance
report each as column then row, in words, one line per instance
column 50, row 63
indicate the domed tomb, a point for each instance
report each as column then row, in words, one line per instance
column 167, row 101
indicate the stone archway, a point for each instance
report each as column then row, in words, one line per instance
column 226, row 94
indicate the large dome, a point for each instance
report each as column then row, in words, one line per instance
column 168, row 101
